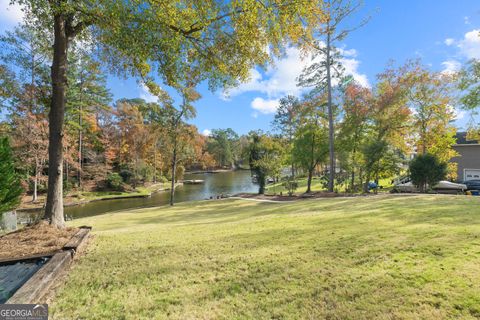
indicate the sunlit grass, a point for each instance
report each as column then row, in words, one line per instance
column 385, row 257
column 319, row 185
column 139, row 191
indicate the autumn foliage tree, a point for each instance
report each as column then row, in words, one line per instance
column 221, row 39
column 353, row 131
column 310, row 144
column 286, row 122
column 430, row 96
column 265, row 158
column 469, row 84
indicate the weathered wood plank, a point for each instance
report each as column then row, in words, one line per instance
column 26, row 258
column 77, row 240
column 37, row 286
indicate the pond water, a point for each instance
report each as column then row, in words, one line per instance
column 231, row 182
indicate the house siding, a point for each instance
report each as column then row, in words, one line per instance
column 469, row 158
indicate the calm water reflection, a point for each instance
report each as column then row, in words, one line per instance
column 215, row 184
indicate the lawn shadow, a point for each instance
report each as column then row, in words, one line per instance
column 206, row 213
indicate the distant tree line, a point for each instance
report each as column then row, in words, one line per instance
column 377, row 130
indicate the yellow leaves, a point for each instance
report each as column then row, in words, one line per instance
column 143, row 68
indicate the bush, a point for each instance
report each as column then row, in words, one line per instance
column 115, row 181
column 67, row 186
column 162, row 179
column 179, row 172
column 426, row 171
column 126, row 175
column 291, row 185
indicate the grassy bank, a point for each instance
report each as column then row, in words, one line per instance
column 80, row 197
column 385, row 257
column 318, row 185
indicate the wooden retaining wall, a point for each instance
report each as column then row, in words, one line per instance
column 37, row 287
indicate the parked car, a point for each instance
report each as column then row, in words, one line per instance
column 472, row 184
column 406, row 185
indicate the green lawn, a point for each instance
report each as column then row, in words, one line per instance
column 139, row 191
column 317, row 185
column 385, row 257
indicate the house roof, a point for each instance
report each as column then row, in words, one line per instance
column 461, row 138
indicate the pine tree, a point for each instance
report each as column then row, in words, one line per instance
column 10, row 188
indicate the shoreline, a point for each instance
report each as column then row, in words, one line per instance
column 215, row 171
column 138, row 194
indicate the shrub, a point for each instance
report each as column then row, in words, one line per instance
column 162, row 179
column 291, row 185
column 145, row 172
column 426, row 171
column 126, row 175
column 115, row 181
column 179, row 172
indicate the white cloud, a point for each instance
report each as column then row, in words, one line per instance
column 470, row 44
column 351, row 68
column 466, row 20
column 146, row 95
column 10, row 14
column 281, row 79
column 451, row 66
column 265, row 106
column 349, row 52
column 449, row 41
column 206, row 132
column 460, row 114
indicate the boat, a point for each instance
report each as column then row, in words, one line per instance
column 193, row 181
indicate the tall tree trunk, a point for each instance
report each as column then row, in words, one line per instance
column 312, row 164
column 155, row 164
column 352, row 183
column 330, row 116
column 32, row 84
column 261, row 183
column 360, row 177
column 174, row 168
column 309, row 180
column 80, row 142
column 54, row 206
column 66, row 170
column 353, row 170
column 365, row 186
column 32, row 108
column 35, row 183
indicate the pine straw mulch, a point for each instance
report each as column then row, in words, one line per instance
column 41, row 238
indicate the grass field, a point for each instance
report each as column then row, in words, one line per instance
column 318, row 185
column 78, row 197
column 384, row 257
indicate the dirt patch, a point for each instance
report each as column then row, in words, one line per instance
column 41, row 238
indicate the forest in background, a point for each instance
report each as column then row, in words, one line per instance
column 119, row 145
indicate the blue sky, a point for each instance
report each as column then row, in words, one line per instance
column 443, row 33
